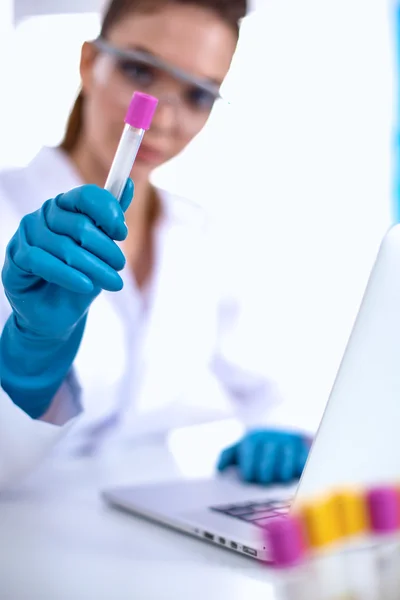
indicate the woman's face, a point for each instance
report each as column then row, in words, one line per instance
column 189, row 38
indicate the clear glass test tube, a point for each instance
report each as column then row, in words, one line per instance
column 137, row 121
column 384, row 513
column 360, row 568
column 284, row 538
column 326, row 544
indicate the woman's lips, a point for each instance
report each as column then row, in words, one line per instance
column 150, row 155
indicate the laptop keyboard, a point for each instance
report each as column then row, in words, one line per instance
column 257, row 513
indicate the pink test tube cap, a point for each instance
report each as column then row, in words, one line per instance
column 141, row 111
column 285, row 539
column 383, row 508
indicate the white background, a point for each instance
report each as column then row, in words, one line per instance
column 299, row 166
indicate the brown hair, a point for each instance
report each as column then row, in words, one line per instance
column 231, row 11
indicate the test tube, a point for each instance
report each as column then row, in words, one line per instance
column 285, row 539
column 383, row 508
column 325, row 540
column 137, row 121
column 359, row 562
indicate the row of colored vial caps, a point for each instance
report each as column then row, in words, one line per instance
column 355, row 520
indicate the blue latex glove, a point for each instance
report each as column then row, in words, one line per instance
column 58, row 261
column 267, row 456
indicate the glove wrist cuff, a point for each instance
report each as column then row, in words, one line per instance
column 31, row 335
column 32, row 368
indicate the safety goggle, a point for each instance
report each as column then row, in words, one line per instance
column 145, row 72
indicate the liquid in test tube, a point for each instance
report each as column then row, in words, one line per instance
column 137, row 121
column 284, row 536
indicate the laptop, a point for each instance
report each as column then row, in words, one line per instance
column 357, row 443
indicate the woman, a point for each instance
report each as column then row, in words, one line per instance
column 160, row 346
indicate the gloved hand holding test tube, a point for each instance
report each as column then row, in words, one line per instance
column 137, row 121
column 53, row 272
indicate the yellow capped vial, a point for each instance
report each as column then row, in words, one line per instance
column 321, row 522
column 352, row 512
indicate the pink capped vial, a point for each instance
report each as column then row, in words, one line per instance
column 137, row 120
column 285, row 539
column 384, row 509
column 141, row 111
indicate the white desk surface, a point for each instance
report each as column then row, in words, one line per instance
column 59, row 541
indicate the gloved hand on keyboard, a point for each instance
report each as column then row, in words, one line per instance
column 58, row 261
column 267, row 456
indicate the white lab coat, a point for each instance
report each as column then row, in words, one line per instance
column 159, row 358
column 24, row 441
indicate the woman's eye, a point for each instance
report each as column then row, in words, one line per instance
column 201, row 99
column 137, row 72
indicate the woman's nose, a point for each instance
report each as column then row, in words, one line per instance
column 166, row 116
